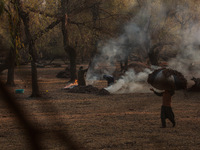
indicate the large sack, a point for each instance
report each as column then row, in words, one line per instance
column 167, row 79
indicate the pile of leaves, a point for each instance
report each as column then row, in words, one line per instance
column 180, row 81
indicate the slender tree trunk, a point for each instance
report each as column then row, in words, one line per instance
column 11, row 67
column 95, row 17
column 154, row 53
column 35, row 87
column 32, row 52
column 31, row 43
column 153, row 57
column 14, row 26
column 68, row 49
column 72, row 55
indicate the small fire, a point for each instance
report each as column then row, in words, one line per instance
column 71, row 85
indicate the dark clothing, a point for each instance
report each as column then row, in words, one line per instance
column 81, row 77
column 109, row 78
column 166, row 112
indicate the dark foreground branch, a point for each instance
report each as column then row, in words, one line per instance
column 33, row 133
column 11, row 102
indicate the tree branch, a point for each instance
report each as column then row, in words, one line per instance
column 58, row 15
column 49, row 27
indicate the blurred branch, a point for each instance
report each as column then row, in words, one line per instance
column 11, row 102
column 42, row 32
column 34, row 133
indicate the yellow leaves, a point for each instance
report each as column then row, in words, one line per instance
column 18, row 43
column 18, row 46
column 22, row 45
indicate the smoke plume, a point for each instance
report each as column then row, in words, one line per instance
column 136, row 34
column 187, row 60
column 118, row 49
column 131, row 82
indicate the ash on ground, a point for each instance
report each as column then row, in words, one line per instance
column 89, row 89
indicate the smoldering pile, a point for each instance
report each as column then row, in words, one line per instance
column 89, row 89
column 167, row 79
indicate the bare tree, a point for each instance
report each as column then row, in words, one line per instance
column 32, row 51
column 31, row 44
column 68, row 49
column 14, row 32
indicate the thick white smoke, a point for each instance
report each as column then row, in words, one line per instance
column 105, row 62
column 188, row 58
column 135, row 34
column 131, row 82
column 118, row 49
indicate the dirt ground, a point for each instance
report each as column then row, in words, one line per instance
column 97, row 122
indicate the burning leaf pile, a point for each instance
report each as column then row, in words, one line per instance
column 167, row 79
column 71, row 85
column 88, row 90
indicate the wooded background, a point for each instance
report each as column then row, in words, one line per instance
column 75, row 30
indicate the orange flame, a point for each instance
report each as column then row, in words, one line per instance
column 71, row 84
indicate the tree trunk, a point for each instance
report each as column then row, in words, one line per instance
column 35, row 87
column 14, row 26
column 31, row 42
column 154, row 51
column 11, row 67
column 153, row 57
column 72, row 55
column 68, row 49
column 32, row 52
column 95, row 17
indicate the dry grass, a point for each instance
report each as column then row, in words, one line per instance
column 111, row 122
